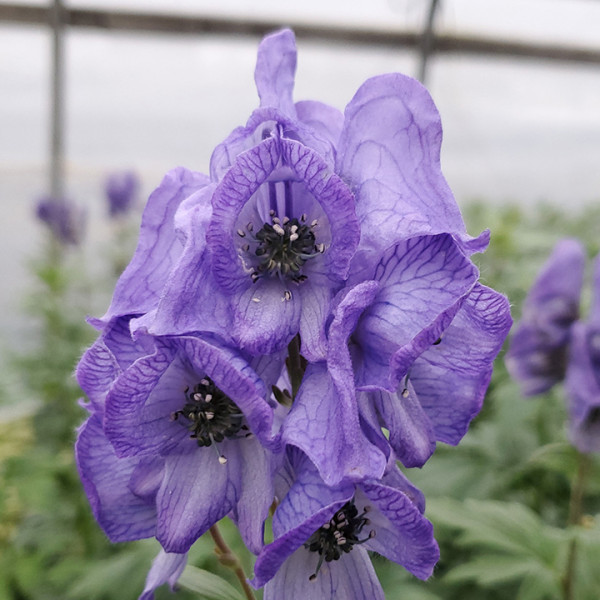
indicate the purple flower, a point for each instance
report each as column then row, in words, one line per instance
column 322, row 535
column 121, row 189
column 583, row 377
column 410, row 350
column 65, row 219
column 294, row 186
column 537, row 356
column 200, row 409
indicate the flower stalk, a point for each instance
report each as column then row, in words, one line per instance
column 575, row 513
column 230, row 560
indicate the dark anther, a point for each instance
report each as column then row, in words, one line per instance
column 339, row 535
column 211, row 416
column 437, row 342
column 283, row 246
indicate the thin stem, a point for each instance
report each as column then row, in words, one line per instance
column 230, row 560
column 575, row 513
column 578, row 489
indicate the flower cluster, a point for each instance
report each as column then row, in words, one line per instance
column 290, row 327
column 552, row 344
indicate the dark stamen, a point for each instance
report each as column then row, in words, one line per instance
column 339, row 535
column 211, row 416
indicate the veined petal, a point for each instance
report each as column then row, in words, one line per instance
column 274, row 555
column 389, row 151
column 250, row 170
column 336, row 199
column 139, row 287
column 255, row 494
column 403, row 534
column 325, row 120
column 197, row 492
column 422, row 283
column 451, row 377
column 275, row 71
column 123, row 515
column 264, row 319
column 166, row 568
column 324, row 424
column 411, row 432
column 351, row 578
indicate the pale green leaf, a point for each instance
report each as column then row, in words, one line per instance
column 208, row 585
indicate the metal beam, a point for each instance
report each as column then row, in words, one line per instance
column 114, row 20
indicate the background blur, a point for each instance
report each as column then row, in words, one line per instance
column 521, row 152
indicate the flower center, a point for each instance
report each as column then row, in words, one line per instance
column 339, row 535
column 210, row 415
column 282, row 247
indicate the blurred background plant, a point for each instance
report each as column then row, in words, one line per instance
column 501, row 502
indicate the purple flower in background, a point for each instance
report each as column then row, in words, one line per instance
column 537, row 356
column 65, row 219
column 322, row 535
column 583, row 377
column 121, row 191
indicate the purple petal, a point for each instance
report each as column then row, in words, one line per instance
column 352, row 577
column 139, row 287
column 325, row 120
column 422, row 282
column 122, row 515
column 451, row 377
column 274, row 555
column 197, row 492
column 192, row 300
column 166, row 568
column 389, row 151
column 141, row 402
column 410, row 430
column 403, row 534
column 537, row 354
column 324, row 423
column 264, row 320
column 583, row 388
column 250, row 170
column 336, row 199
column 256, row 494
column 275, row 70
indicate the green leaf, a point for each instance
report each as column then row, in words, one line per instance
column 208, row 585
column 500, row 526
column 493, row 569
column 560, row 457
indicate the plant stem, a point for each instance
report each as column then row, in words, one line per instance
column 575, row 511
column 230, row 560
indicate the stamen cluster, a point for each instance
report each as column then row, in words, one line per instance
column 339, row 535
column 211, row 415
column 283, row 246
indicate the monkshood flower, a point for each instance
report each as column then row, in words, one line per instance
column 65, row 219
column 583, row 377
column 121, row 190
column 295, row 190
column 537, row 356
column 200, row 409
column 410, row 350
column 322, row 535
